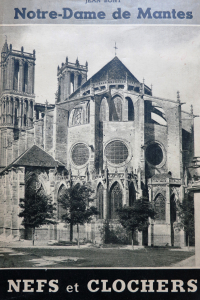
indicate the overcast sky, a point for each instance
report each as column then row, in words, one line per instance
column 166, row 56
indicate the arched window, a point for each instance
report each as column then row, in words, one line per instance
column 130, row 110
column 7, row 105
column 132, row 194
column 79, row 80
column 16, row 74
column 159, row 205
column 25, row 120
column 33, row 185
column 80, row 114
column 77, row 116
column 115, row 200
column 31, row 109
column 116, row 109
column 16, row 108
column 100, row 201
column 25, row 83
column 12, row 108
column 60, row 210
column 25, row 112
column 173, row 208
column 103, row 110
column 72, row 82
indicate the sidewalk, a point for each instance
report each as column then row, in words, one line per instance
column 37, row 244
column 186, row 263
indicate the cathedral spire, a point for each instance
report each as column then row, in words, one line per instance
column 191, row 110
column 178, row 96
column 115, row 49
column 77, row 62
column 5, row 46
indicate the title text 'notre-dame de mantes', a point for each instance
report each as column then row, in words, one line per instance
column 108, row 130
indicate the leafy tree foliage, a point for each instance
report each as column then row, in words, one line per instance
column 37, row 207
column 76, row 201
column 186, row 217
column 113, row 234
column 136, row 216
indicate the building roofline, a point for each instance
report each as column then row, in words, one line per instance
column 15, row 162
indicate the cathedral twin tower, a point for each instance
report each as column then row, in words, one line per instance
column 17, row 86
column 17, row 97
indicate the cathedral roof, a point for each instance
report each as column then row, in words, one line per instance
column 113, row 70
column 34, row 157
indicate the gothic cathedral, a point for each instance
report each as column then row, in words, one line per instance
column 109, row 130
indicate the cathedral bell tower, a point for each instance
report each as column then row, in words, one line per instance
column 70, row 77
column 16, row 98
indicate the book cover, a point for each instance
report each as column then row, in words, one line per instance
column 99, row 118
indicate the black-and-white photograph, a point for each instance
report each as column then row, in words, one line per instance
column 99, row 146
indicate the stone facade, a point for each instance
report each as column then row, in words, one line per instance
column 109, row 130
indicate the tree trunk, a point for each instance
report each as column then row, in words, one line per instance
column 78, row 235
column 71, row 232
column 188, row 242
column 132, row 233
column 33, row 235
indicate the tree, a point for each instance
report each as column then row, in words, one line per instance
column 37, row 207
column 76, row 201
column 136, row 216
column 185, row 212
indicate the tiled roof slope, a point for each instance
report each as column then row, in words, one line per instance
column 113, row 70
column 34, row 157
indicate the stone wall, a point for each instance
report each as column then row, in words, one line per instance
column 11, row 191
column 60, row 135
